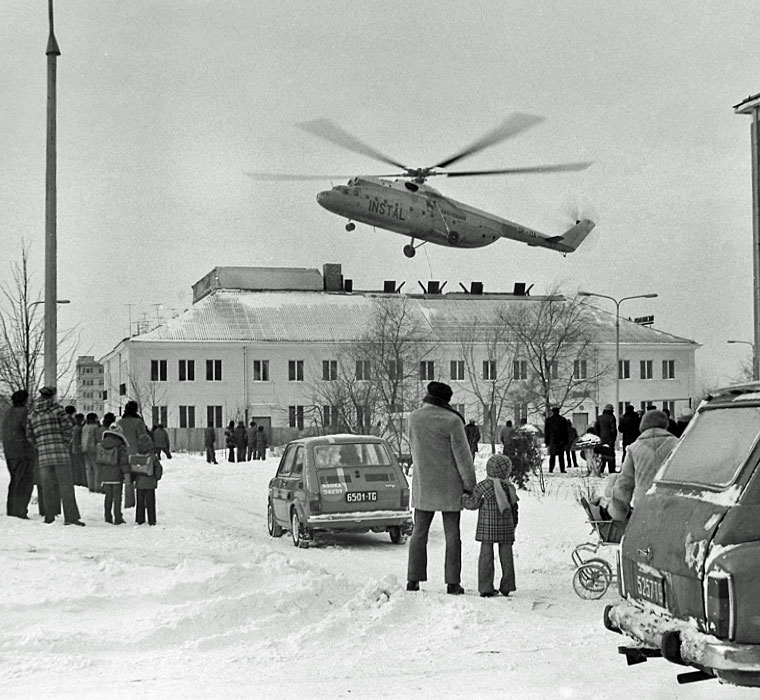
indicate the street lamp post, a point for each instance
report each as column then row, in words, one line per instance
column 754, row 356
column 617, row 303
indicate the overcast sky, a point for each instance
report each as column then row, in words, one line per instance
column 164, row 105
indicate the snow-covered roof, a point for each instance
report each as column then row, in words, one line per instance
column 298, row 316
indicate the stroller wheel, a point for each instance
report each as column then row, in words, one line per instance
column 591, row 581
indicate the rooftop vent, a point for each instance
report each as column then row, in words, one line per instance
column 519, row 289
column 476, row 287
column 348, row 285
column 389, row 286
column 644, row 320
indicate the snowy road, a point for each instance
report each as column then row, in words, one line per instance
column 206, row 604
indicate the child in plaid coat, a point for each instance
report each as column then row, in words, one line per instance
column 496, row 499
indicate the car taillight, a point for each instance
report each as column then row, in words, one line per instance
column 315, row 506
column 404, row 498
column 719, row 604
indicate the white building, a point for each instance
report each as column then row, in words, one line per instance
column 258, row 343
column 89, row 385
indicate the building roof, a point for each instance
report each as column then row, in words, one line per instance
column 226, row 315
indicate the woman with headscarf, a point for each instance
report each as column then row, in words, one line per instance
column 496, row 499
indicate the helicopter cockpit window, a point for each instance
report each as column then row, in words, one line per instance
column 353, row 181
column 411, row 186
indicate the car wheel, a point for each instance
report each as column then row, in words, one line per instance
column 296, row 531
column 274, row 529
column 397, row 537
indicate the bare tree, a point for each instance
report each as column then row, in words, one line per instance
column 22, row 334
column 554, row 335
column 488, row 351
column 147, row 394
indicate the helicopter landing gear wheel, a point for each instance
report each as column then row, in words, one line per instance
column 409, row 250
column 350, row 226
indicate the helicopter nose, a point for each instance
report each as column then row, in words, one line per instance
column 324, row 199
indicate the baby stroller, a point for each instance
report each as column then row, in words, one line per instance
column 593, row 573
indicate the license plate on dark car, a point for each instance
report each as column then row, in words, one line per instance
column 650, row 588
column 361, row 496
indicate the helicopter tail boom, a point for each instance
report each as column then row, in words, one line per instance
column 573, row 237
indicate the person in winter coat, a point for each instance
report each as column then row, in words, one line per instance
column 629, row 427
column 606, row 429
column 146, row 485
column 683, row 420
column 496, row 499
column 49, row 430
column 250, row 435
column 506, row 437
column 161, row 441
column 132, row 426
column 19, row 456
column 78, row 467
column 229, row 441
column 555, row 438
column 209, row 441
column 261, row 443
column 241, row 441
column 113, row 469
column 91, row 436
column 643, row 459
column 443, row 472
column 473, row 436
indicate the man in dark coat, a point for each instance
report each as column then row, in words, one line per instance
column 443, row 472
column 209, row 439
column 555, row 438
column 629, row 427
column 50, row 430
column 473, row 436
column 161, row 441
column 241, row 440
column 19, row 456
column 606, row 428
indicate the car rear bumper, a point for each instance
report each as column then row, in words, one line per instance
column 367, row 519
column 678, row 640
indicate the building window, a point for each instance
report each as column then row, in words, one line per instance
column 427, row 370
column 330, row 416
column 489, row 369
column 213, row 370
column 580, row 370
column 395, row 369
column 159, row 414
column 521, row 412
column 214, row 416
column 122, row 389
column 520, row 369
column 459, row 408
column 187, row 370
column 668, row 369
column 363, row 368
column 624, row 369
column 295, row 371
column 457, row 370
column 670, row 407
column 261, row 370
column 362, row 417
column 158, row 370
column 329, row 370
column 295, row 417
column 645, row 367
column 187, row 416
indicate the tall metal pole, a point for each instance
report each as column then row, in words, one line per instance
column 51, row 291
column 618, row 412
column 751, row 106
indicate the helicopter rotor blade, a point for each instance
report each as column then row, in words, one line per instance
column 284, row 177
column 328, row 130
column 561, row 168
column 513, row 125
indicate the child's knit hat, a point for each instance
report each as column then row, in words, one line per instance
column 498, row 466
column 144, row 443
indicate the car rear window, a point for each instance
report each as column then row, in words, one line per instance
column 359, row 454
column 715, row 448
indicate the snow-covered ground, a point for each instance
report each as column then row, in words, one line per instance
column 206, row 604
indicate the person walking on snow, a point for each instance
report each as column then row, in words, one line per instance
column 496, row 500
column 555, row 438
column 443, row 472
column 473, row 436
column 606, row 429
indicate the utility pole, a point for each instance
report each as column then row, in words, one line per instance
column 51, row 279
column 751, row 106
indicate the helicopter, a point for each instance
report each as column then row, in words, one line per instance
column 407, row 205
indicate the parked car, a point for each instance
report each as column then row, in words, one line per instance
column 689, row 562
column 338, row 483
